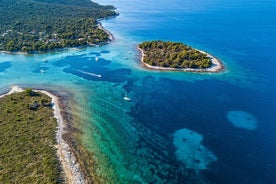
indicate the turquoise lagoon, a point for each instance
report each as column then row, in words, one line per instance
column 177, row 127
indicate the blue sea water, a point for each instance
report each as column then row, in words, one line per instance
column 139, row 140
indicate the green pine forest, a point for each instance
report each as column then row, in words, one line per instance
column 173, row 55
column 33, row 26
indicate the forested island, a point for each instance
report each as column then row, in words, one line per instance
column 32, row 26
column 169, row 55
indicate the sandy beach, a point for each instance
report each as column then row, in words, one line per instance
column 71, row 167
column 217, row 65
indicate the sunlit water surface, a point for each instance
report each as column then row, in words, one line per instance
column 146, row 126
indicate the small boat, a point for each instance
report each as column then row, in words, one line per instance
column 45, row 60
column 125, row 58
column 42, row 71
column 96, row 59
column 126, row 98
column 129, row 52
column 91, row 74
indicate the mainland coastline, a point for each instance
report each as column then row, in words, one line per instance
column 217, row 65
column 111, row 38
column 55, row 30
column 70, row 166
column 110, row 35
column 100, row 26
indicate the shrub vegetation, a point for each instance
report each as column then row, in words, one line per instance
column 173, row 55
column 27, row 140
column 41, row 25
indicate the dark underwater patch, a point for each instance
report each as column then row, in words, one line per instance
column 4, row 66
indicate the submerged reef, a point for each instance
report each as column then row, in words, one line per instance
column 242, row 119
column 190, row 151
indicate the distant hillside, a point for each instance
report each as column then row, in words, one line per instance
column 41, row 25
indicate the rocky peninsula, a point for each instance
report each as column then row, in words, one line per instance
column 45, row 145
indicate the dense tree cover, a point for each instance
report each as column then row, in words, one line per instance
column 173, row 55
column 28, row 139
column 40, row 25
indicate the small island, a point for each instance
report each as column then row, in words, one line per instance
column 161, row 55
column 35, row 26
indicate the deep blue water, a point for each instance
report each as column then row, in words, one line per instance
column 133, row 141
column 243, row 35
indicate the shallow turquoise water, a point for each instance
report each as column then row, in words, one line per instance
column 177, row 127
